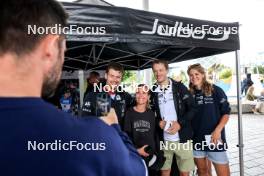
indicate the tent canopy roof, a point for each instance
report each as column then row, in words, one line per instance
column 135, row 38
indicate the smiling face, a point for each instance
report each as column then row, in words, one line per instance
column 160, row 72
column 113, row 78
column 196, row 77
column 142, row 96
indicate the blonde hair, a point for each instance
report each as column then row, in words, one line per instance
column 207, row 88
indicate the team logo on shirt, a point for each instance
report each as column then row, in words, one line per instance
column 185, row 96
column 141, row 126
column 118, row 98
column 223, row 100
column 208, row 100
column 199, row 99
column 88, row 103
column 200, row 102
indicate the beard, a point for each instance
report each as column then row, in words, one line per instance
column 51, row 82
column 52, row 79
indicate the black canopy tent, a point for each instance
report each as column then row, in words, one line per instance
column 135, row 38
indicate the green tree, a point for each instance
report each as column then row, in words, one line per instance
column 260, row 70
column 127, row 74
column 225, row 73
column 183, row 77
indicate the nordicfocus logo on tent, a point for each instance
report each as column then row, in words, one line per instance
column 189, row 31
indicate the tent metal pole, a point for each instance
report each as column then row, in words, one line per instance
column 81, row 85
column 121, row 57
column 73, row 59
column 98, row 57
column 74, row 68
column 239, row 108
column 138, row 76
column 182, row 54
column 80, row 46
column 145, row 4
column 90, row 55
column 156, row 56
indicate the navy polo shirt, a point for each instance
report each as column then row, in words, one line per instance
column 210, row 111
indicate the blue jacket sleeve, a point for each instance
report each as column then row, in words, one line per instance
column 139, row 166
column 125, row 139
column 224, row 106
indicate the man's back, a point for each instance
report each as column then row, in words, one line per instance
column 38, row 139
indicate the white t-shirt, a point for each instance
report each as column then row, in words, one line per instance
column 167, row 110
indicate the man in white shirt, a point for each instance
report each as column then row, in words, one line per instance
column 174, row 107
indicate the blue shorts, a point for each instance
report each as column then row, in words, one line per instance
column 215, row 157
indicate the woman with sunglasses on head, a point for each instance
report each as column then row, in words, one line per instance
column 209, row 123
column 141, row 126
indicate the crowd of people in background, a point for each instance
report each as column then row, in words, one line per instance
column 246, row 83
column 66, row 97
column 257, row 101
column 248, row 88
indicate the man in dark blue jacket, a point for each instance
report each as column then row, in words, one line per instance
column 112, row 90
column 175, row 108
column 36, row 138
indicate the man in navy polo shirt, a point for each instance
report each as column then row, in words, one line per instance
column 36, row 138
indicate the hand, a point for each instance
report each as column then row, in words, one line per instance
column 111, row 117
column 162, row 124
column 142, row 152
column 175, row 127
column 216, row 136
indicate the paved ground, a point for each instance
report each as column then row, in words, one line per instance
column 253, row 129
